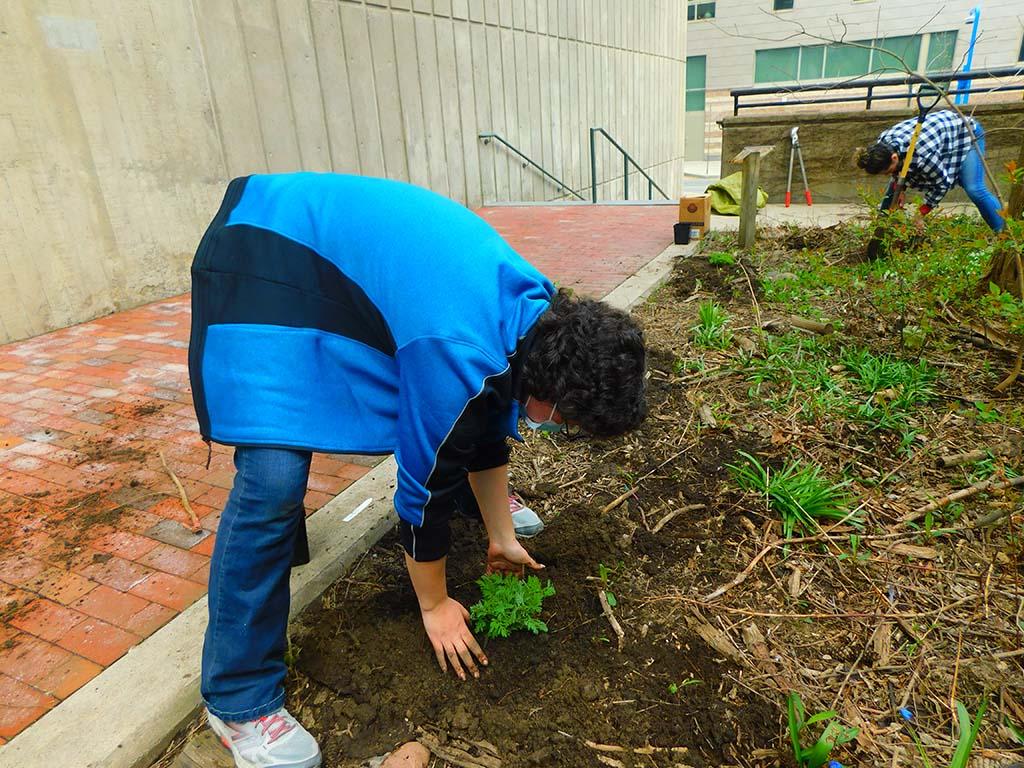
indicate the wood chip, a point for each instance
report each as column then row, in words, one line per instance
column 913, row 550
column 717, row 639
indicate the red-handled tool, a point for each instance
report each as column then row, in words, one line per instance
column 795, row 151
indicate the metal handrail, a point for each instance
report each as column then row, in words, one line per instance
column 489, row 135
column 626, row 160
column 870, row 85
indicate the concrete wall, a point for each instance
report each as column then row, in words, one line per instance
column 831, row 143
column 120, row 122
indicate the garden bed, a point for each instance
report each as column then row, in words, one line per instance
column 874, row 607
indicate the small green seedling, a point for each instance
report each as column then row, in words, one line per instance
column 711, row 330
column 721, row 259
column 834, row 735
column 604, row 576
column 674, row 688
column 509, row 603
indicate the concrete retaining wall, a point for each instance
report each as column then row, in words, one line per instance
column 120, row 122
column 832, row 141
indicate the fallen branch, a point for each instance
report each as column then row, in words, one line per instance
column 969, row 457
column 963, row 493
column 194, row 527
column 617, row 501
column 635, row 750
column 667, row 518
column 607, row 609
column 793, row 321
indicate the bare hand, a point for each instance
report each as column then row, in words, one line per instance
column 452, row 641
column 510, row 558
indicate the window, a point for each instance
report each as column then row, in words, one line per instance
column 941, row 47
column 696, row 81
column 696, row 10
column 782, row 5
column 814, row 62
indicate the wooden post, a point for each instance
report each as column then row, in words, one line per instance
column 748, row 204
column 751, row 159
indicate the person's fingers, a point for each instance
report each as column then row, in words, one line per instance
column 453, row 658
column 474, row 647
column 467, row 658
column 465, row 613
column 534, row 565
column 439, row 653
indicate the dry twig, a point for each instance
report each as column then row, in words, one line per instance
column 194, row 527
column 616, row 627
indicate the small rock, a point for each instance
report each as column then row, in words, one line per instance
column 409, row 755
column 590, row 692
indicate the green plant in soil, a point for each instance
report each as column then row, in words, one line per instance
column 711, row 329
column 509, row 603
column 833, row 735
column 896, row 388
column 721, row 259
column 797, row 492
column 965, row 741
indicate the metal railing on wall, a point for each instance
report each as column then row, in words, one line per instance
column 868, row 86
column 486, row 137
column 626, row 161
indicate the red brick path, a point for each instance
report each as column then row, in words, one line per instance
column 94, row 552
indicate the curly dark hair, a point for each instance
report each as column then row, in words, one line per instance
column 876, row 158
column 590, row 359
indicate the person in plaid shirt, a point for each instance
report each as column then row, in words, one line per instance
column 945, row 155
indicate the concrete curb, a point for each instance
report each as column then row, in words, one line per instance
column 127, row 715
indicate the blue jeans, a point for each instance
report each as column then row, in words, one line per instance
column 243, row 653
column 972, row 179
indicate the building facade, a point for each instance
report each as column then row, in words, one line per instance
column 121, row 122
column 733, row 43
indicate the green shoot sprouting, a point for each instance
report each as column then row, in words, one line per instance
column 835, row 733
column 711, row 330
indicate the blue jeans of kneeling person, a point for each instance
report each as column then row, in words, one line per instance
column 244, row 650
column 972, row 179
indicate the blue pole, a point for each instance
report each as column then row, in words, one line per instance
column 975, row 21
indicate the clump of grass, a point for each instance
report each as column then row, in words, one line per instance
column 712, row 327
column 721, row 259
column 799, row 493
column 897, row 388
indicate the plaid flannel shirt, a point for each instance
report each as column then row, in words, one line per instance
column 941, row 148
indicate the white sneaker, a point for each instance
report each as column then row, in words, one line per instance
column 526, row 522
column 273, row 741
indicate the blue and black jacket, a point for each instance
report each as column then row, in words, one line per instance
column 347, row 314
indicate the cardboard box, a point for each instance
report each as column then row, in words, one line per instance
column 696, row 211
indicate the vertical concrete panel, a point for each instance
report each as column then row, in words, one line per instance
column 448, row 73
column 481, row 93
column 430, row 89
column 363, row 89
column 509, row 88
column 270, row 84
column 389, row 103
column 234, row 101
column 333, row 78
column 307, row 101
column 499, row 124
column 413, row 122
column 535, row 126
column 467, row 111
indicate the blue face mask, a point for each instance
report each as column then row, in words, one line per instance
column 548, row 425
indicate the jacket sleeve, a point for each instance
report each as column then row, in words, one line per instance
column 448, row 391
column 930, row 163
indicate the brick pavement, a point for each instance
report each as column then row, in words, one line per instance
column 95, row 554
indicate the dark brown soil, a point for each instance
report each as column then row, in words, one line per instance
column 367, row 678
